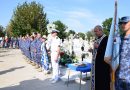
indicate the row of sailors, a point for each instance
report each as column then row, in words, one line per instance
column 33, row 47
column 36, row 50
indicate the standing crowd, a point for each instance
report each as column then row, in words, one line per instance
column 11, row 42
column 40, row 51
column 39, row 47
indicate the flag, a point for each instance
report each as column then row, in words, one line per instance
column 113, row 46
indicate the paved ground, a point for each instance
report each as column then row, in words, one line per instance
column 17, row 74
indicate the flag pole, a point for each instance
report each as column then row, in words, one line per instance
column 113, row 70
column 112, row 49
column 112, row 83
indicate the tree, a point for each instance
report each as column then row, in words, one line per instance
column 82, row 35
column 89, row 35
column 62, row 28
column 70, row 32
column 1, row 31
column 28, row 18
column 9, row 30
column 107, row 25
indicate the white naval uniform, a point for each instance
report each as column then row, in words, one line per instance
column 55, row 44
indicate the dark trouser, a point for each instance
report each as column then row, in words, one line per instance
column 38, row 59
column 122, row 84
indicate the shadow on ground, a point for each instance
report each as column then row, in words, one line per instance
column 36, row 84
column 3, row 51
column 5, row 55
column 10, row 70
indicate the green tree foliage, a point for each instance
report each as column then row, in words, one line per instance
column 62, row 28
column 89, row 35
column 82, row 35
column 28, row 18
column 9, row 30
column 107, row 25
column 70, row 32
column 2, row 33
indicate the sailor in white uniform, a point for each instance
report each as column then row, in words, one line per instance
column 55, row 55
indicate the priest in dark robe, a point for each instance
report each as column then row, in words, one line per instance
column 100, row 73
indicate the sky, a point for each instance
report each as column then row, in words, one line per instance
column 77, row 15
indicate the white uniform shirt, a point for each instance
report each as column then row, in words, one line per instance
column 55, row 43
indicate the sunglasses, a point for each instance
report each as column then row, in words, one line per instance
column 123, row 23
